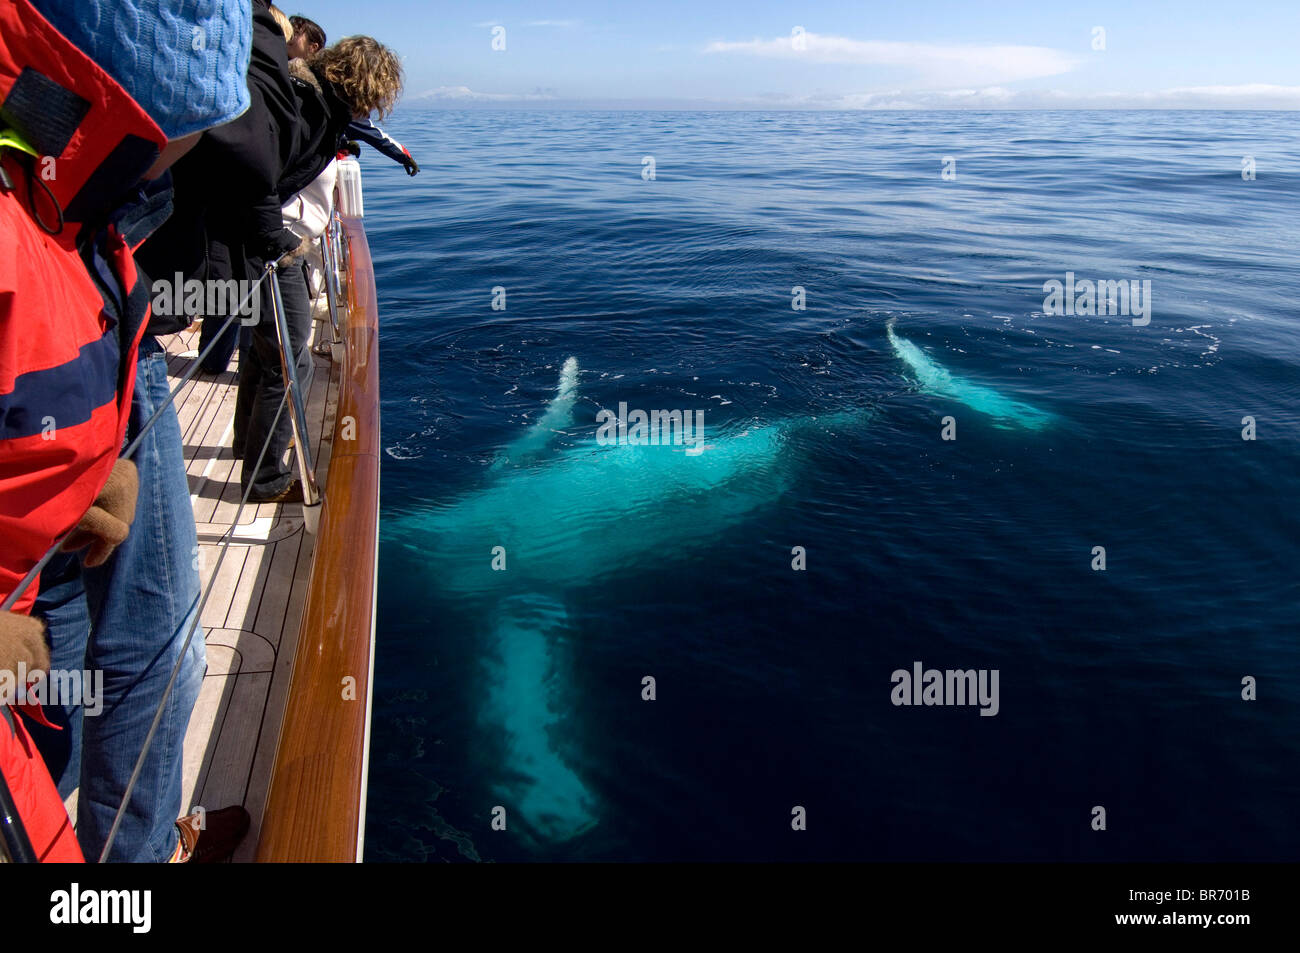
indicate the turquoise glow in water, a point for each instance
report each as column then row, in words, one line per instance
column 1120, row 687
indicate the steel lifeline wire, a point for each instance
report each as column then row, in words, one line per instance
column 293, row 398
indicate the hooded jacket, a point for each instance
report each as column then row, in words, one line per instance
column 323, row 117
column 71, row 308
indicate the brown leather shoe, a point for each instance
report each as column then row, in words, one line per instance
column 290, row 494
column 217, row 838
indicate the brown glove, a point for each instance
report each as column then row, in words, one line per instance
column 22, row 639
column 108, row 521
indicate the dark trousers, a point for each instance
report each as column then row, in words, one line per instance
column 220, row 265
column 262, row 386
column 218, row 360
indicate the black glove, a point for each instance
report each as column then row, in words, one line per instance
column 304, row 246
column 412, row 166
column 278, row 245
column 352, row 148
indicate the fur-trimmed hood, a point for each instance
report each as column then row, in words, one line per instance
column 299, row 70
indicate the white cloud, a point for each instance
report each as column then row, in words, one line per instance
column 562, row 24
column 1246, row 96
column 935, row 62
column 467, row 95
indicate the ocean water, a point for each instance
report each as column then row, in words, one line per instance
column 1118, row 688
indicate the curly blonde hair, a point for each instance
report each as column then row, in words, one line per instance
column 367, row 74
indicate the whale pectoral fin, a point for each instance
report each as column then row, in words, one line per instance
column 546, row 793
column 933, row 378
column 557, row 417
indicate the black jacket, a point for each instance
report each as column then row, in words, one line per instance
column 323, row 116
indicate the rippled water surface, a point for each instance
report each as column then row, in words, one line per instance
column 1118, row 688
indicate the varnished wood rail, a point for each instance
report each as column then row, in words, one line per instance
column 316, row 807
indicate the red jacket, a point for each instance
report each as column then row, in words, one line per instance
column 71, row 316
column 71, row 309
column 34, row 794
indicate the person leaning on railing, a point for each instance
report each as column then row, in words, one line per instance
column 270, row 240
column 142, row 85
column 309, row 39
column 353, row 78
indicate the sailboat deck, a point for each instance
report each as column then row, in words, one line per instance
column 255, row 593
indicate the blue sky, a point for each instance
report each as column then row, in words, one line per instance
column 924, row 53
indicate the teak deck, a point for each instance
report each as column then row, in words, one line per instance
column 255, row 605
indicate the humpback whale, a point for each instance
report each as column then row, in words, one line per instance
column 936, row 379
column 552, row 519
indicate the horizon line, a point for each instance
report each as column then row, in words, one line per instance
column 635, row 106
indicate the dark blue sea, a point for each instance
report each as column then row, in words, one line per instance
column 1120, row 688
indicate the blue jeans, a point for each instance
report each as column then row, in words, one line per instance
column 129, row 618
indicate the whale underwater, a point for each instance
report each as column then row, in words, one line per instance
column 936, row 380
column 551, row 519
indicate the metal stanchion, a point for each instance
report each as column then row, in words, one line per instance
column 331, row 285
column 333, row 288
column 336, row 238
column 297, row 406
